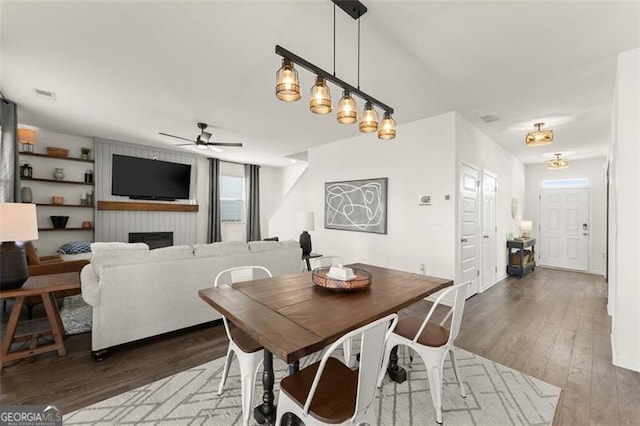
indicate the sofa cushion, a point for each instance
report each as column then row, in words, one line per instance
column 221, row 249
column 171, row 252
column 75, row 247
column 256, row 246
column 112, row 253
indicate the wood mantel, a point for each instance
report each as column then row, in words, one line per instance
column 146, row 207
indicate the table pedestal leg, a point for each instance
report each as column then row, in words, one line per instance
column 396, row 373
column 266, row 411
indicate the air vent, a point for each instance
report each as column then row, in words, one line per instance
column 490, row 118
column 45, row 94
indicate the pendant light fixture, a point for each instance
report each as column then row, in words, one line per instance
column 288, row 85
column 558, row 163
column 347, row 110
column 320, row 97
column 387, row 128
column 539, row 137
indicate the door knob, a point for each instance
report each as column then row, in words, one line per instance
column 464, row 240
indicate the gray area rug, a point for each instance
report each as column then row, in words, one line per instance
column 496, row 395
column 75, row 315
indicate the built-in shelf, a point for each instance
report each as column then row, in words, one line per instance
column 75, row 182
column 65, row 229
column 33, row 154
column 146, row 207
column 64, row 205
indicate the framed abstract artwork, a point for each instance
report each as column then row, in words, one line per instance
column 356, row 205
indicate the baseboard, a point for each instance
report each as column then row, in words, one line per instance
column 491, row 285
column 629, row 364
column 597, row 272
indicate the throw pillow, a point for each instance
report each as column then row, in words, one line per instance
column 75, row 248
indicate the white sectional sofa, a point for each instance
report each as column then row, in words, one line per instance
column 137, row 293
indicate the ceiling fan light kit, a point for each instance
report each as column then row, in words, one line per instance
column 539, row 137
column 288, row 85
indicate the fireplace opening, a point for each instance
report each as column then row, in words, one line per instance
column 153, row 239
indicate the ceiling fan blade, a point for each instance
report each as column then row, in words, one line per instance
column 224, row 144
column 177, row 137
column 184, row 144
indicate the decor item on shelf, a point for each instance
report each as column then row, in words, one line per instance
column 356, row 205
column 18, row 224
column 86, row 224
column 288, row 84
column 85, row 153
column 83, row 199
column 58, row 174
column 27, row 139
column 57, row 152
column 88, row 176
column 26, row 171
column 57, row 199
column 525, row 228
column 26, row 195
column 90, row 197
column 59, row 222
column 539, row 137
column 306, row 222
column 558, row 163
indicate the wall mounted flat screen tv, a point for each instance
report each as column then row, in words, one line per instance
column 146, row 179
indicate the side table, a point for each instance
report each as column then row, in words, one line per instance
column 43, row 286
column 517, row 247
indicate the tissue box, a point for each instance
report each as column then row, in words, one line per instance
column 340, row 273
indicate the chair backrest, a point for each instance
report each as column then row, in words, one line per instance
column 238, row 274
column 323, row 261
column 459, row 297
column 374, row 336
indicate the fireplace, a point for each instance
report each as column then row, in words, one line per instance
column 152, row 239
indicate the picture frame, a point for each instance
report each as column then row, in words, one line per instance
column 356, row 205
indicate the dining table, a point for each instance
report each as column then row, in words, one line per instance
column 291, row 317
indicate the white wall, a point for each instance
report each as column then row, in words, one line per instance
column 593, row 169
column 275, row 184
column 49, row 241
column 624, row 217
column 477, row 149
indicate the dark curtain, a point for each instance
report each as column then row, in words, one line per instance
column 214, row 233
column 9, row 162
column 252, row 176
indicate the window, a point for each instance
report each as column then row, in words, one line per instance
column 231, row 198
column 565, row 183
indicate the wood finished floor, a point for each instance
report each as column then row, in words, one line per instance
column 552, row 325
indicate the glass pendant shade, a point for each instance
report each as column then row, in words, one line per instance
column 558, row 163
column 287, row 83
column 347, row 110
column 539, row 137
column 387, row 128
column 369, row 119
column 320, row 97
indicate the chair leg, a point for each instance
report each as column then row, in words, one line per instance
column 249, row 366
column 435, row 387
column 225, row 371
column 385, row 360
column 454, row 362
column 346, row 348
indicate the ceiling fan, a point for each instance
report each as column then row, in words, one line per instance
column 202, row 141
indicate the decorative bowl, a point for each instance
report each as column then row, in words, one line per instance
column 361, row 281
column 59, row 222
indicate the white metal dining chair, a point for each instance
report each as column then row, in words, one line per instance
column 329, row 392
column 248, row 351
column 432, row 342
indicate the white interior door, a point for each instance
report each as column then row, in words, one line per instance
column 469, row 226
column 489, row 230
column 564, row 228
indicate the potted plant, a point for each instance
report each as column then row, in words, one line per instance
column 84, row 153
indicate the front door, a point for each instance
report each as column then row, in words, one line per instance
column 564, row 228
column 489, row 230
column 469, row 226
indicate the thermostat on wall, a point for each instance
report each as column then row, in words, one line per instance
column 425, row 200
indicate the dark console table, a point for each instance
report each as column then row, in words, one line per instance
column 519, row 262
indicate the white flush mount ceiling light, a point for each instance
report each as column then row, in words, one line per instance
column 288, row 84
column 558, row 163
column 539, row 137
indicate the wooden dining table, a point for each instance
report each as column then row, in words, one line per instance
column 291, row 317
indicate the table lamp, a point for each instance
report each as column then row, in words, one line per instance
column 306, row 223
column 18, row 223
column 525, row 228
column 27, row 139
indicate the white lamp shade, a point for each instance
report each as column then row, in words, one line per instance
column 526, row 225
column 18, row 222
column 306, row 221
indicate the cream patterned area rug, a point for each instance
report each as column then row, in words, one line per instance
column 496, row 395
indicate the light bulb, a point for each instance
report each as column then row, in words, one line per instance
column 347, row 110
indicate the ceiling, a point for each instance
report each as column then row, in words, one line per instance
column 129, row 70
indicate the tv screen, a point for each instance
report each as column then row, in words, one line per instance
column 142, row 178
